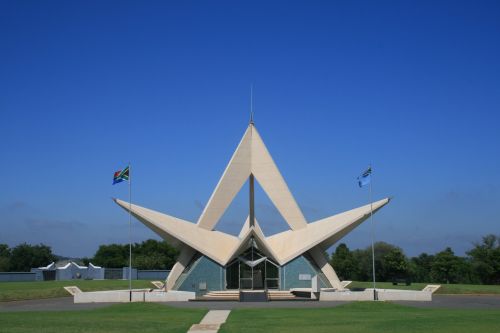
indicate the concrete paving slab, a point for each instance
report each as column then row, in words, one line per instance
column 204, row 328
column 211, row 322
column 215, row 317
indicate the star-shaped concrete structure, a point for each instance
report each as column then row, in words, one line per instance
column 251, row 161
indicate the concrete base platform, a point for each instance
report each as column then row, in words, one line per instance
column 382, row 295
column 136, row 295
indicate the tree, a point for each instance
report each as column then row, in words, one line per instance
column 344, row 263
column 363, row 262
column 390, row 262
column 448, row 268
column 395, row 264
column 421, row 267
column 383, row 252
column 485, row 259
column 111, row 256
column 25, row 256
column 5, row 254
column 153, row 254
column 150, row 254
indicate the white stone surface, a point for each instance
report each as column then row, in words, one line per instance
column 123, row 296
column 403, row 295
column 169, row 296
column 211, row 322
column 318, row 255
column 432, row 288
column 183, row 259
column 345, row 283
column 383, row 295
column 158, row 284
column 73, row 290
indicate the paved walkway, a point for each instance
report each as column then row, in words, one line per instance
column 211, row 322
column 439, row 301
column 49, row 304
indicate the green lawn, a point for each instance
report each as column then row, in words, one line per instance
column 363, row 317
column 130, row 317
column 366, row 317
column 10, row 291
column 445, row 288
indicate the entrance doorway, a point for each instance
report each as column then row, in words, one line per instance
column 252, row 270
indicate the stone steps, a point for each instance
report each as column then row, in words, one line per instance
column 280, row 295
column 261, row 296
column 222, row 295
column 253, row 296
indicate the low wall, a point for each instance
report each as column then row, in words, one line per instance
column 404, row 295
column 17, row 276
column 383, row 295
column 169, row 296
column 123, row 296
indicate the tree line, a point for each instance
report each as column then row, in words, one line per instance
column 149, row 254
column 25, row 256
column 481, row 265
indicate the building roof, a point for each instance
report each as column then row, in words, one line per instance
column 252, row 158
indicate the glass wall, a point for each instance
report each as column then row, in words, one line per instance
column 252, row 270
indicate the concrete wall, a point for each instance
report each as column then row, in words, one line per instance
column 17, row 276
column 406, row 295
column 72, row 272
column 204, row 272
column 297, row 268
column 125, row 273
column 123, row 296
column 95, row 273
column 152, row 274
column 383, row 295
column 38, row 273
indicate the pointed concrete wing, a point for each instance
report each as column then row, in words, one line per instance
column 251, row 157
column 185, row 255
column 318, row 255
column 267, row 174
column 256, row 232
column 233, row 178
column 324, row 233
column 214, row 244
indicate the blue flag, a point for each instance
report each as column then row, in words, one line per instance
column 365, row 178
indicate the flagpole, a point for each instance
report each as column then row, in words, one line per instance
column 129, row 233
column 373, row 237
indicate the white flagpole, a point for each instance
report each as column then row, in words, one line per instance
column 129, row 233
column 373, row 237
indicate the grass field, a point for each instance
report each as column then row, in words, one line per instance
column 445, row 288
column 134, row 317
column 10, row 291
column 366, row 317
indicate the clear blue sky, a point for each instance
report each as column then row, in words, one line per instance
column 412, row 87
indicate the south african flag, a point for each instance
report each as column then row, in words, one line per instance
column 120, row 176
